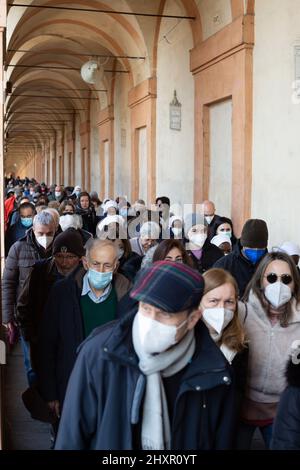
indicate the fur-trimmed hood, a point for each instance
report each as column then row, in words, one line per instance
column 293, row 371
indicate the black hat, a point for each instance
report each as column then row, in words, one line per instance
column 255, row 234
column 69, row 241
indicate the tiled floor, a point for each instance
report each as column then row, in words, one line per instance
column 20, row 432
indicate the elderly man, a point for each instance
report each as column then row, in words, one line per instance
column 209, row 212
column 86, row 299
column 36, row 245
column 67, row 251
column 149, row 235
column 202, row 253
column 155, row 380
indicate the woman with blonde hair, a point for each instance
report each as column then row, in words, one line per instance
column 219, row 306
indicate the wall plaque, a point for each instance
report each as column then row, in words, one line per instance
column 175, row 113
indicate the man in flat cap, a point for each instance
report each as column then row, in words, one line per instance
column 154, row 379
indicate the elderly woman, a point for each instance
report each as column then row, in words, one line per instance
column 203, row 254
column 176, row 227
column 271, row 317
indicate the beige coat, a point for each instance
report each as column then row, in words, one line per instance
column 269, row 348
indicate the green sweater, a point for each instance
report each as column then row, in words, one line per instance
column 95, row 315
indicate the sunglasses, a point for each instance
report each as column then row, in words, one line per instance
column 285, row 278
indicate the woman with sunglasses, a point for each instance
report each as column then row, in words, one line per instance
column 270, row 312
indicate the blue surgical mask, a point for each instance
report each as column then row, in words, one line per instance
column 26, row 222
column 99, row 280
column 254, row 255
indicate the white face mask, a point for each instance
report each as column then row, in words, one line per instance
column 176, row 231
column 155, row 336
column 278, row 294
column 69, row 221
column 198, row 239
column 209, row 218
column 44, row 241
column 57, row 193
column 217, row 318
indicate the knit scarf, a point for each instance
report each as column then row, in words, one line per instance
column 274, row 314
column 156, row 429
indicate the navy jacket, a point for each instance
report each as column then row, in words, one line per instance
column 286, row 431
column 99, row 410
column 239, row 266
column 14, row 233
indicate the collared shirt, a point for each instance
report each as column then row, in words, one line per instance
column 86, row 289
column 197, row 253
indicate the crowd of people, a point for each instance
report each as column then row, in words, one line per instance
column 149, row 328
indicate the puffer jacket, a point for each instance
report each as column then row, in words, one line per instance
column 21, row 257
column 269, row 348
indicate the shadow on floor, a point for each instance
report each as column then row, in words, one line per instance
column 21, row 432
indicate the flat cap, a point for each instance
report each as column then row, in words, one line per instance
column 170, row 286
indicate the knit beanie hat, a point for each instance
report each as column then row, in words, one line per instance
column 69, row 241
column 255, row 234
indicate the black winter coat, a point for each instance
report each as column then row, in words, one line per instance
column 99, row 411
column 239, row 266
column 33, row 297
column 286, row 430
column 210, row 254
column 130, row 266
column 89, row 219
column 62, row 331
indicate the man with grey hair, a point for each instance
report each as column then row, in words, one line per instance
column 85, row 300
column 149, row 235
column 34, row 246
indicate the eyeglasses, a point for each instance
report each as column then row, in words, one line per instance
column 285, row 278
column 66, row 257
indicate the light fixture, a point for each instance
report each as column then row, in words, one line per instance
column 92, row 72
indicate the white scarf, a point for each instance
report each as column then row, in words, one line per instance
column 156, row 429
column 228, row 353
